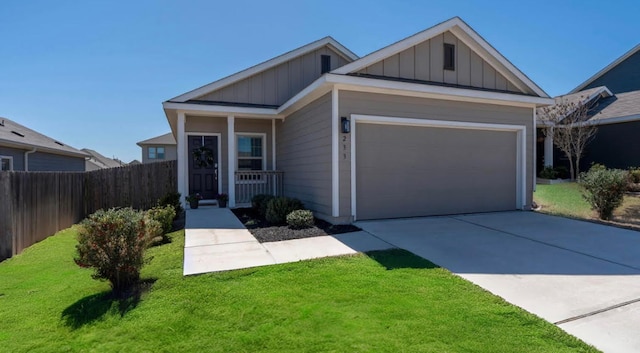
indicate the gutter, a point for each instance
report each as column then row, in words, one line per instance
column 26, row 159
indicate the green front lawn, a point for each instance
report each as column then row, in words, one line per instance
column 388, row 301
column 566, row 200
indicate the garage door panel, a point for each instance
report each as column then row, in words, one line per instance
column 404, row 171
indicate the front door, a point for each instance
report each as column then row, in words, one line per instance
column 203, row 166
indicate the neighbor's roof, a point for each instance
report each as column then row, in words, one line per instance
column 621, row 106
column 166, row 139
column 615, row 63
column 15, row 135
column 102, row 161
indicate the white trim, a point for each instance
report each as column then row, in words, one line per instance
column 200, row 109
column 231, row 162
column 335, row 164
column 183, row 168
column 608, row 68
column 548, row 147
column 10, row 158
column 461, row 30
column 273, row 144
column 614, row 120
column 339, row 49
column 264, row 146
column 535, row 149
column 186, row 155
column 521, row 145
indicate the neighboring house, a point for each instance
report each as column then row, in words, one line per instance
column 97, row 161
column 134, row 162
column 159, row 148
column 23, row 149
column 614, row 93
column 437, row 123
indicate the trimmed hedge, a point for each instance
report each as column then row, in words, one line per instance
column 278, row 209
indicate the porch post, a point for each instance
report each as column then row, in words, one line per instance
column 548, row 148
column 182, row 156
column 231, row 159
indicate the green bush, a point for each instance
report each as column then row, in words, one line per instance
column 604, row 189
column 548, row 173
column 300, row 219
column 562, row 172
column 260, row 203
column 113, row 243
column 278, row 209
column 172, row 199
column 634, row 175
column 164, row 215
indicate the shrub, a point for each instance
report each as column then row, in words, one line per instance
column 634, row 175
column 172, row 199
column 604, row 189
column 260, row 202
column 164, row 215
column 278, row 209
column 113, row 243
column 548, row 173
column 562, row 172
column 300, row 219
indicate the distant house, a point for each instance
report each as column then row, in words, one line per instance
column 614, row 94
column 134, row 162
column 23, row 149
column 159, row 148
column 97, row 161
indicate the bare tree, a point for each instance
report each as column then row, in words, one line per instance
column 568, row 123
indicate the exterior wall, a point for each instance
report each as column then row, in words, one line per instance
column 208, row 125
column 425, row 62
column 170, row 153
column 304, row 154
column 624, row 77
column 423, row 108
column 44, row 162
column 615, row 146
column 276, row 85
column 18, row 156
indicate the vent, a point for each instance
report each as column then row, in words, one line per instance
column 59, row 143
column 449, row 57
column 2, row 122
column 325, row 63
column 17, row 133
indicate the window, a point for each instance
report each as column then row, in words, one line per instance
column 156, row 153
column 6, row 163
column 250, row 152
column 325, row 63
column 449, row 56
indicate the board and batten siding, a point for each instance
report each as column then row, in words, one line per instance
column 423, row 108
column 276, row 85
column 218, row 125
column 425, row 62
column 624, row 77
column 304, row 154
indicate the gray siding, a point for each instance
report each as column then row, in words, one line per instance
column 170, row 153
column 425, row 62
column 18, row 156
column 45, row 162
column 304, row 154
column 198, row 125
column 624, row 77
column 276, row 85
column 615, row 146
column 422, row 108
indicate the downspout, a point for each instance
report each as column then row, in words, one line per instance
column 26, row 159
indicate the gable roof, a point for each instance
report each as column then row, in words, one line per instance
column 102, row 161
column 608, row 68
column 339, row 48
column 618, row 108
column 166, row 139
column 15, row 135
column 468, row 36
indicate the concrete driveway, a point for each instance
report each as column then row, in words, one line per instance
column 581, row 276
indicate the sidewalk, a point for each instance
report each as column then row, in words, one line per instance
column 215, row 240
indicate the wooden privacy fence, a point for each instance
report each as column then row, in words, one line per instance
column 35, row 205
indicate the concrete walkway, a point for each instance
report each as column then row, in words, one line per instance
column 215, row 240
column 581, row 276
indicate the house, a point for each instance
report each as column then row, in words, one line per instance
column 614, row 94
column 97, row 161
column 159, row 148
column 23, row 149
column 437, row 123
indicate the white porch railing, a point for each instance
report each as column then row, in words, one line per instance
column 251, row 183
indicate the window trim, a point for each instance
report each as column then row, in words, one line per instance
column 449, row 66
column 264, row 155
column 155, row 151
column 164, row 152
column 10, row 158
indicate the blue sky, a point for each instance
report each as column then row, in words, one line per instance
column 94, row 73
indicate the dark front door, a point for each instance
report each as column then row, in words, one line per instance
column 203, row 166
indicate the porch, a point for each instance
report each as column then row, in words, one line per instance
column 251, row 183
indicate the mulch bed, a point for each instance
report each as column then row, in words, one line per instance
column 266, row 232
